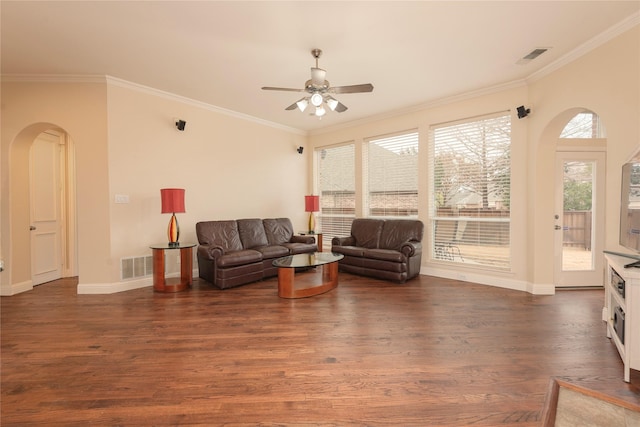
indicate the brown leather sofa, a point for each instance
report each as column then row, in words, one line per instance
column 236, row 252
column 389, row 249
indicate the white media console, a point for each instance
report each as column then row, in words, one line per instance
column 622, row 309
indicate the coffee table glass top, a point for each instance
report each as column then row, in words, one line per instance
column 307, row 260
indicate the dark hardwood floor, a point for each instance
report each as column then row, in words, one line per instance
column 428, row 352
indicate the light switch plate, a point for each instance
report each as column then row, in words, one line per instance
column 122, row 198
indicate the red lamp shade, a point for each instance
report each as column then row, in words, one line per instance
column 311, row 203
column 172, row 200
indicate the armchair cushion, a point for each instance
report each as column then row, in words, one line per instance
column 366, row 232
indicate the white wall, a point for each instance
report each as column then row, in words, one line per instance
column 605, row 80
column 27, row 110
column 126, row 143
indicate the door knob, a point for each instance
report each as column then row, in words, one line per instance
column 31, row 228
column 557, row 227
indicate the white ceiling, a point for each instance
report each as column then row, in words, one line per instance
column 221, row 53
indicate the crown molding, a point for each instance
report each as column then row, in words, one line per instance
column 114, row 81
column 424, row 106
column 581, row 50
column 602, row 38
column 199, row 104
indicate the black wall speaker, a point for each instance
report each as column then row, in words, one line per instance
column 523, row 112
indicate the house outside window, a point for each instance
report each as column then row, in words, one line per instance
column 469, row 212
column 391, row 171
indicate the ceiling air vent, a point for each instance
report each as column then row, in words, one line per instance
column 532, row 55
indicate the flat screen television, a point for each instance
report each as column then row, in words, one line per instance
column 630, row 208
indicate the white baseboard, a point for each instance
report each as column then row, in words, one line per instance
column 16, row 288
column 484, row 279
column 112, row 288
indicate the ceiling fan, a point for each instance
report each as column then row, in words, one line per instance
column 319, row 91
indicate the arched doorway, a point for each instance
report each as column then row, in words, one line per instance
column 29, row 255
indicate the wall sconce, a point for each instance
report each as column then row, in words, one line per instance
column 523, row 112
column 180, row 124
column 300, row 149
column 173, row 202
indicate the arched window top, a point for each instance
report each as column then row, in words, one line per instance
column 583, row 125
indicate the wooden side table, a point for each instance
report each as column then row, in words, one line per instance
column 318, row 237
column 177, row 284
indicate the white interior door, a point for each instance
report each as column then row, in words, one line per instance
column 579, row 219
column 46, row 208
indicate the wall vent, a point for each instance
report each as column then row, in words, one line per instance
column 135, row 267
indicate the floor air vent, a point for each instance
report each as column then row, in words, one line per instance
column 134, row 267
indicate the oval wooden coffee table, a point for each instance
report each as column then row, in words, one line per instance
column 309, row 281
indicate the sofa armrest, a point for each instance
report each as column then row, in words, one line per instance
column 302, row 239
column 411, row 248
column 210, row 252
column 343, row 241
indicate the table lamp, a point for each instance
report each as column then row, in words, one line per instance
column 173, row 202
column 312, row 204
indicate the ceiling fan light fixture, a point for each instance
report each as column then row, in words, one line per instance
column 318, row 91
column 316, row 99
column 302, row 104
column 332, row 103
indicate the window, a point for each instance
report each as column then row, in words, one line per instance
column 391, row 168
column 470, row 171
column 337, row 184
column 583, row 125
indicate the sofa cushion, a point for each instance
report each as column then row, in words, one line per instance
column 348, row 250
column 278, row 230
column 396, row 232
column 384, row 255
column 252, row 233
column 234, row 258
column 272, row 251
column 219, row 233
column 366, row 232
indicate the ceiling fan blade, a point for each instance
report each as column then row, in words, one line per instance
column 367, row 87
column 340, row 107
column 300, row 104
column 286, row 89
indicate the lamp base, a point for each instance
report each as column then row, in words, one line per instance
column 173, row 231
column 173, row 244
column 312, row 223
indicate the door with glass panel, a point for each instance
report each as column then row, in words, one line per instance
column 579, row 219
